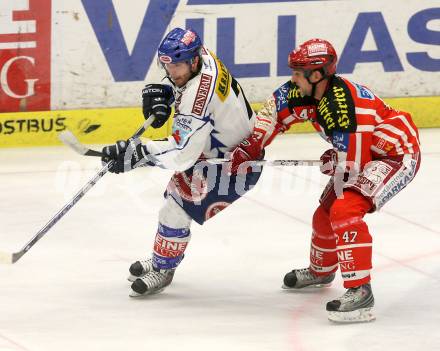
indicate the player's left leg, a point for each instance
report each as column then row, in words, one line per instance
column 323, row 260
column 198, row 194
column 379, row 181
column 354, row 251
column 173, row 235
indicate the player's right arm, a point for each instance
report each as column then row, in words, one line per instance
column 284, row 108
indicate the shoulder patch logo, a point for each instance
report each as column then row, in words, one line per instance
column 363, row 92
column 202, row 94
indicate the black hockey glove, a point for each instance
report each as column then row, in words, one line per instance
column 157, row 100
column 126, row 155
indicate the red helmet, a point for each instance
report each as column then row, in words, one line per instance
column 314, row 54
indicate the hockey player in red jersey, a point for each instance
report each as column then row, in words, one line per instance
column 374, row 155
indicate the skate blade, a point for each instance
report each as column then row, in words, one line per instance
column 131, row 278
column 314, row 286
column 361, row 315
column 134, row 294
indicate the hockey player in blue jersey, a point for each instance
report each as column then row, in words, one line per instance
column 212, row 116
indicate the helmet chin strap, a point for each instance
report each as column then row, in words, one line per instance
column 199, row 66
column 307, row 75
column 193, row 74
column 169, row 78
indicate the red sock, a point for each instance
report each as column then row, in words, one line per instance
column 354, row 242
column 323, row 259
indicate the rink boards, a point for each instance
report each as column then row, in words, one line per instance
column 98, row 126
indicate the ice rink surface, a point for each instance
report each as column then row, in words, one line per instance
column 70, row 293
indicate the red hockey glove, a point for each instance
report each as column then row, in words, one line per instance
column 248, row 150
column 329, row 161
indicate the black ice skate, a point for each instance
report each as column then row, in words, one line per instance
column 139, row 268
column 301, row 278
column 354, row 306
column 152, row 282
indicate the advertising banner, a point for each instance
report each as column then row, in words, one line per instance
column 85, row 55
column 105, row 50
column 25, row 55
column 74, row 54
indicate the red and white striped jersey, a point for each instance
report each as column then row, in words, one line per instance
column 358, row 124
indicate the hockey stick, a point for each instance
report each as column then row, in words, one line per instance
column 14, row 257
column 271, row 162
column 69, row 139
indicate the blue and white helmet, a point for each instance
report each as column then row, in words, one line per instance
column 179, row 45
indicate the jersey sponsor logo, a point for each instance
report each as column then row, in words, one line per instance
column 326, row 113
column 346, row 263
column 378, row 173
column 316, row 256
column 167, row 248
column 366, row 184
column 215, row 208
column 179, row 135
column 181, row 129
column 382, row 144
column 373, row 177
column 202, row 94
column 336, row 110
column 223, row 85
column 340, row 99
column 363, row 93
column 397, row 182
column 340, row 141
column 294, row 93
column 183, row 123
column 348, row 266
